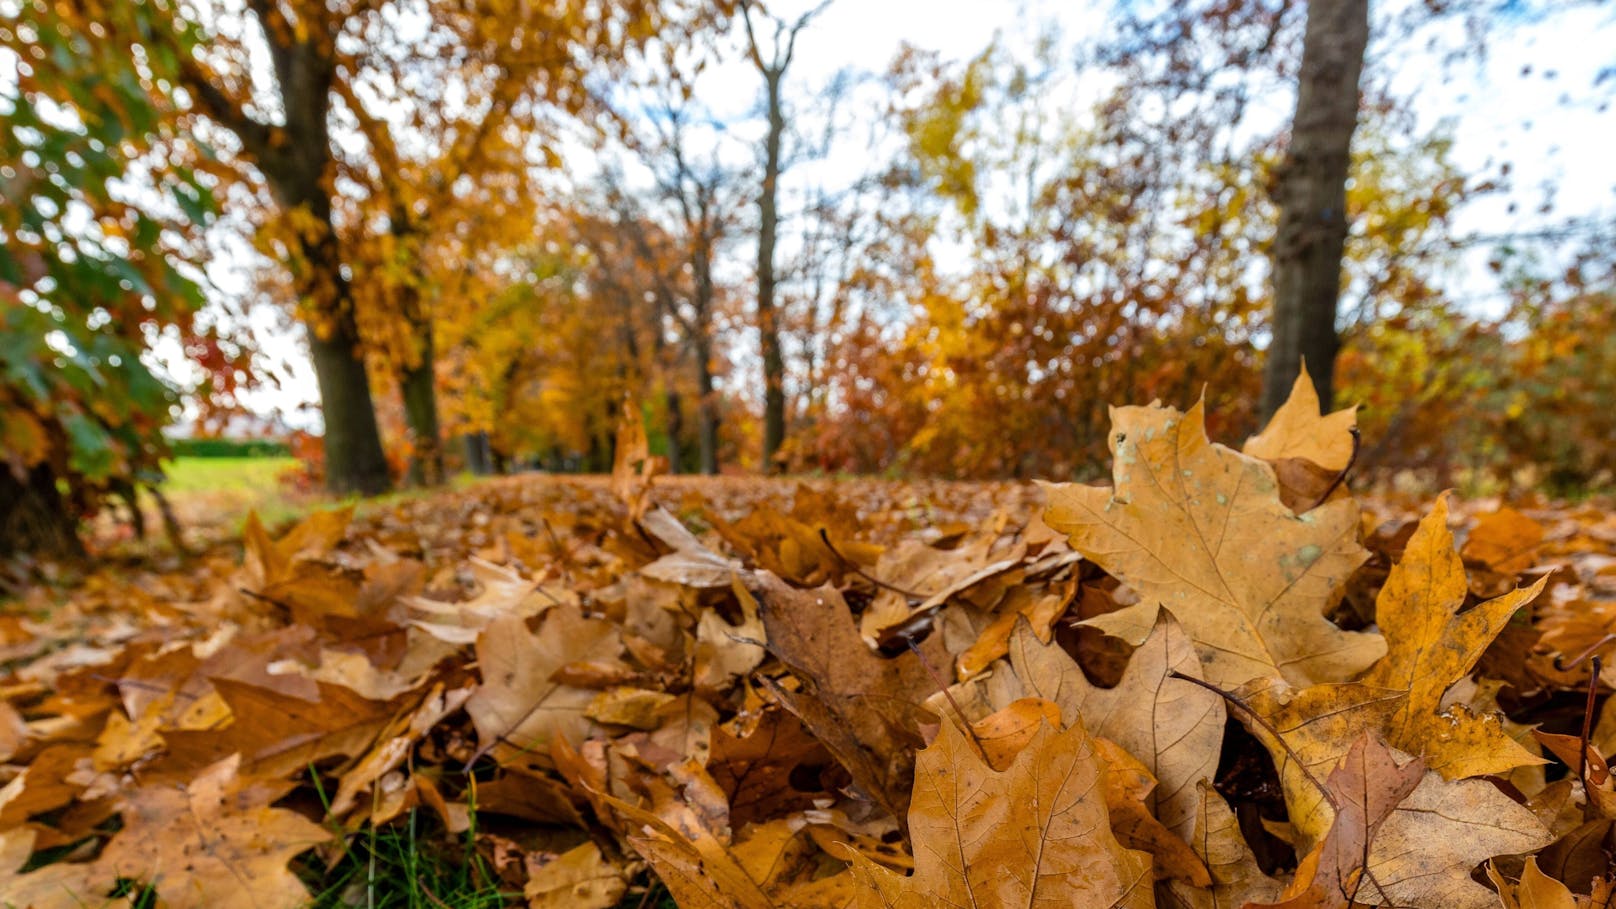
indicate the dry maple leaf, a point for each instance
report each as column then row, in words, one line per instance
column 1236, row 877
column 1127, row 786
column 1536, row 890
column 277, row 734
column 520, row 707
column 580, row 878
column 934, row 576
column 1298, row 430
column 867, row 710
column 790, row 545
column 214, row 843
column 1504, row 541
column 64, row 885
column 725, row 652
column 1200, row 529
column 394, row 746
column 1431, row 645
column 633, row 467
column 698, row 869
column 757, row 769
column 1427, row 848
column 1174, row 728
column 1040, row 608
column 1036, row 834
column 1005, row 733
column 1365, row 789
column 690, row 564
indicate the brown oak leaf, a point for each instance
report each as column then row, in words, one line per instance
column 1200, row 529
column 1036, row 834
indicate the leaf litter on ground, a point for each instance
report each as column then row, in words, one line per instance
column 1221, row 681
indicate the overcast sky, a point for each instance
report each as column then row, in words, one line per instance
column 1533, row 102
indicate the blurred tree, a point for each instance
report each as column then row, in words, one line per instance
column 447, row 95
column 104, row 199
column 284, row 132
column 693, row 199
column 772, row 68
column 1310, row 191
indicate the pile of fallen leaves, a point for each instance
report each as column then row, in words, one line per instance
column 1218, row 682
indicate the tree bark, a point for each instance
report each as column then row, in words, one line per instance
column 774, row 394
column 354, row 462
column 673, row 427
column 1311, row 194
column 419, row 389
column 706, row 409
column 296, row 160
column 36, row 520
column 478, row 453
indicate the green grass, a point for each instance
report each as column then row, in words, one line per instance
column 220, row 491
column 411, row 865
column 253, row 475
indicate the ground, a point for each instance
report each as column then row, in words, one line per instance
column 552, row 691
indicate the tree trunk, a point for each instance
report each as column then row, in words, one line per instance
column 706, row 410
column 774, row 393
column 36, row 520
column 354, row 463
column 1312, row 198
column 477, row 449
column 420, row 392
column 673, row 427
column 297, row 163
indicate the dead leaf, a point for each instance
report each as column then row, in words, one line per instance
column 1037, row 833
column 519, row 707
column 1236, row 878
column 580, row 878
column 1200, row 529
column 1298, row 430
column 867, row 710
column 1364, row 790
column 1431, row 645
column 213, row 844
column 1172, row 726
column 1535, row 890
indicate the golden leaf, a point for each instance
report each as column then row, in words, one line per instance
column 1200, row 529
column 1035, row 834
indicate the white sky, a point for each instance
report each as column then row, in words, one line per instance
column 1548, row 124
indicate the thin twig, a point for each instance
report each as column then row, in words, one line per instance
column 1562, row 664
column 824, row 537
column 1268, row 727
column 1357, row 443
column 1587, row 723
column 941, row 686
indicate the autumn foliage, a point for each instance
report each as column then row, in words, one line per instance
column 1219, row 682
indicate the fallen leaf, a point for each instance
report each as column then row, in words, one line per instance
column 1535, row 890
column 867, row 710
column 579, row 878
column 519, row 708
column 212, row 844
column 1035, row 834
column 1172, row 726
column 1298, row 430
column 1002, row 735
column 1364, row 790
column 1236, row 878
column 1431, row 645
column 1200, row 529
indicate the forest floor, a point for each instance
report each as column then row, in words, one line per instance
column 597, row 691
